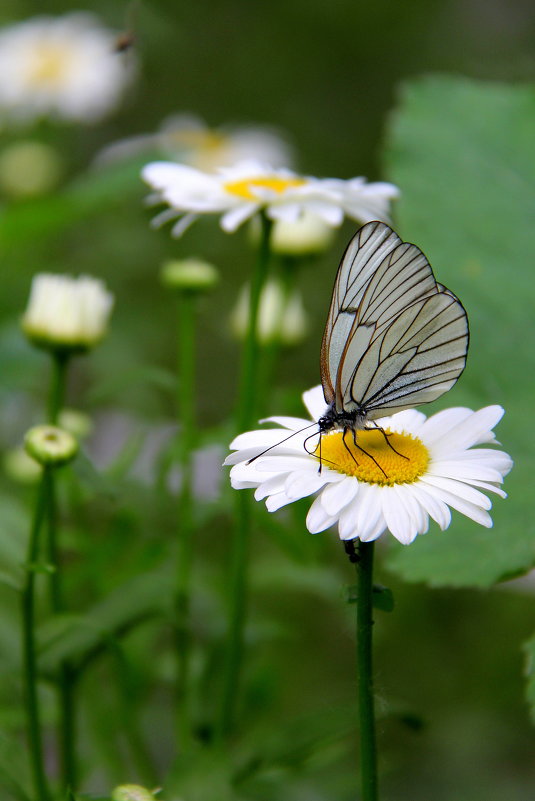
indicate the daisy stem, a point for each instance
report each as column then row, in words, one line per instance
column 246, row 414
column 186, row 412
column 29, row 656
column 56, row 395
column 66, row 675
column 368, row 755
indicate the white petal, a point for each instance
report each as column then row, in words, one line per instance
column 361, row 517
column 436, row 508
column 277, row 501
column 409, row 420
column 339, row 494
column 260, row 439
column 291, row 423
column 183, row 224
column 458, row 488
column 300, row 484
column 464, row 507
column 318, row 519
column 464, row 471
column 315, row 402
column 287, row 464
column 397, row 518
column 441, row 423
column 272, row 486
column 475, row 429
column 232, row 219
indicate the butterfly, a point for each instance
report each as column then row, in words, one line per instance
column 395, row 337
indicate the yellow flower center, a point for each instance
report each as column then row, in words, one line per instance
column 49, row 65
column 246, row 186
column 379, row 457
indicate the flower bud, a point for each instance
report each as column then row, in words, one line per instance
column 29, row 169
column 66, row 313
column 306, row 236
column 132, row 792
column 20, row 467
column 280, row 319
column 50, row 446
column 75, row 422
column 189, row 275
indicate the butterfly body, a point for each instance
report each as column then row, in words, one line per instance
column 395, row 338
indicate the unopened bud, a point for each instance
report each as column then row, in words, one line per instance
column 50, row 446
column 189, row 275
column 132, row 792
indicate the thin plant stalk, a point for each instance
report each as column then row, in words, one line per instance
column 246, row 414
column 186, row 412
column 29, row 657
column 368, row 752
column 272, row 349
column 66, row 673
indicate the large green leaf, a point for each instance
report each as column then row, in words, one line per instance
column 462, row 153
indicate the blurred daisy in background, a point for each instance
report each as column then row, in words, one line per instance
column 63, row 67
column 239, row 192
column 368, row 488
column 187, row 139
column 281, row 315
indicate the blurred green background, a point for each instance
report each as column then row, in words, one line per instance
column 454, row 721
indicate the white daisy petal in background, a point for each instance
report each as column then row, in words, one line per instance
column 187, row 139
column 368, row 488
column 237, row 193
column 63, row 67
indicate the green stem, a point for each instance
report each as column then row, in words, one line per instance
column 66, row 675
column 186, row 413
column 246, row 414
column 368, row 755
column 29, row 651
column 57, row 387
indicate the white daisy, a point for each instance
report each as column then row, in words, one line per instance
column 187, row 139
column 240, row 191
column 60, row 66
column 67, row 313
column 369, row 488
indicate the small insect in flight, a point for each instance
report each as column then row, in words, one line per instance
column 395, row 337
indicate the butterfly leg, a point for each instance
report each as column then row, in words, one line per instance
column 386, row 435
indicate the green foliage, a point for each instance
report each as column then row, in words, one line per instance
column 529, row 650
column 462, row 151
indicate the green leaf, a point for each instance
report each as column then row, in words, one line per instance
column 383, row 598
column 529, row 650
column 462, row 153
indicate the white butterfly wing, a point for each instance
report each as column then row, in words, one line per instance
column 395, row 338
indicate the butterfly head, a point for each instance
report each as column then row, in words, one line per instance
column 354, row 420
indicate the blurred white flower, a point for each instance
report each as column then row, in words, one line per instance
column 187, row 139
column 62, row 67
column 305, row 236
column 281, row 317
column 239, row 192
column 67, row 313
column 421, row 468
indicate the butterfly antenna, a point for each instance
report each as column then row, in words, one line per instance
column 258, row 455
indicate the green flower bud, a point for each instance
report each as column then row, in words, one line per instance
column 75, row 422
column 19, row 466
column 132, row 792
column 29, row 169
column 189, row 275
column 50, row 446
